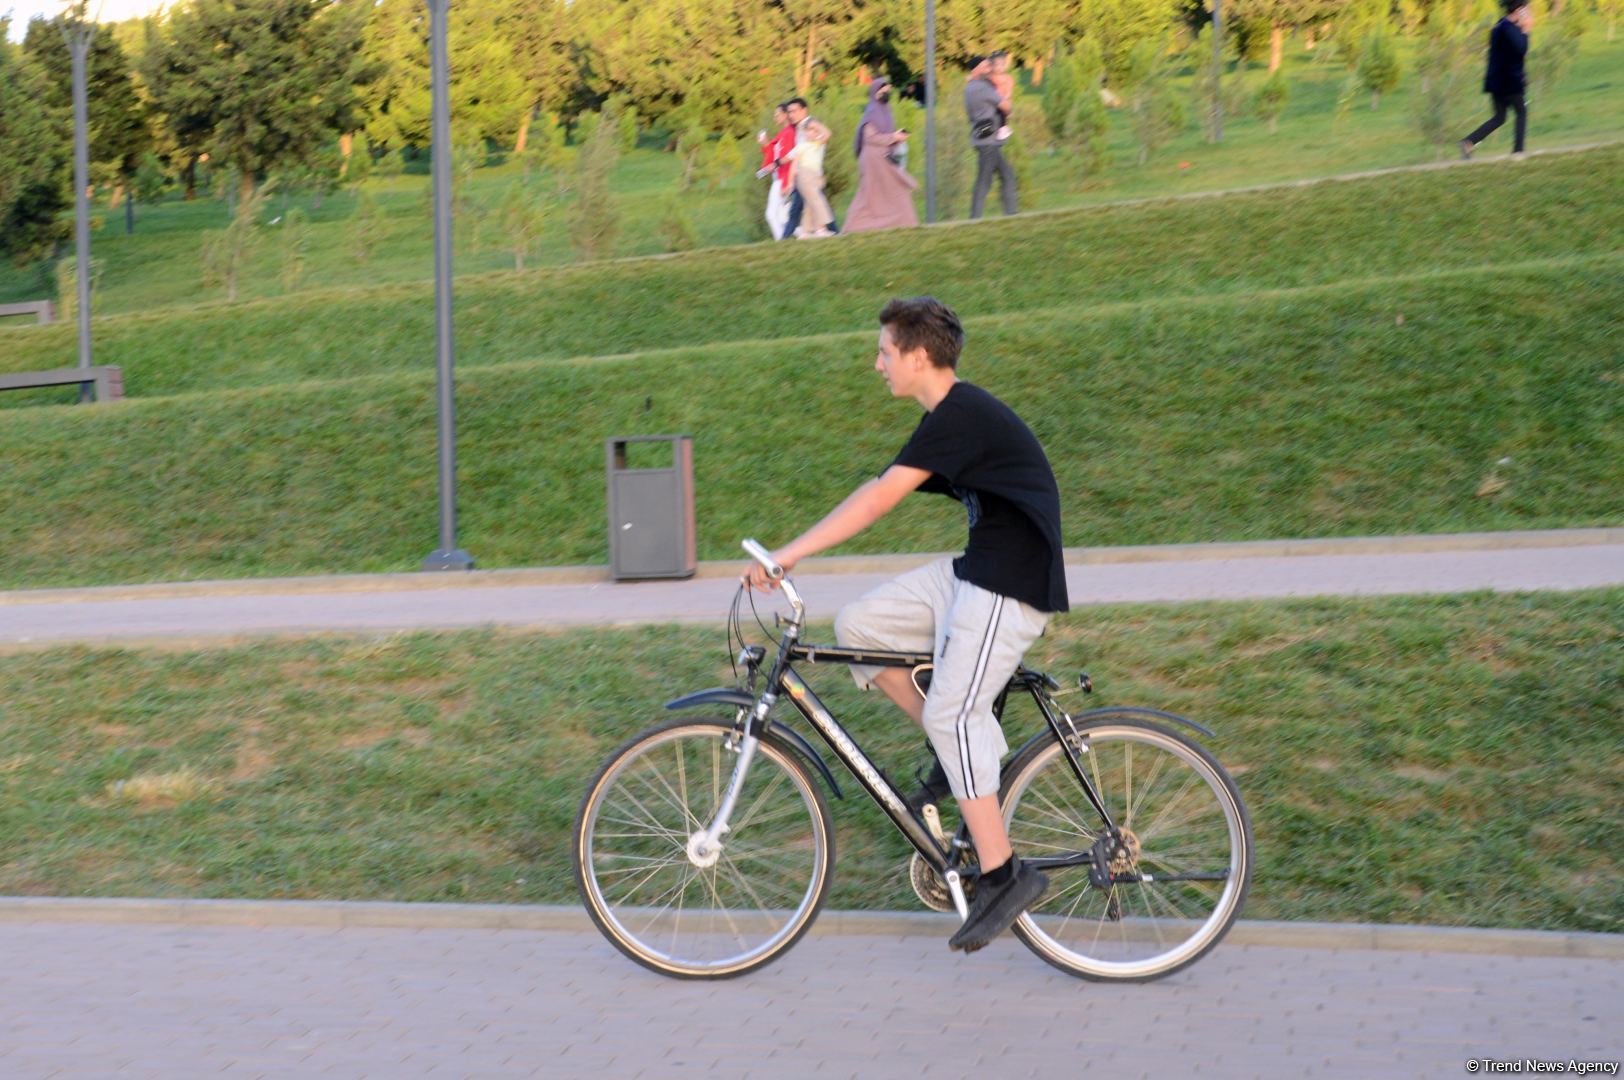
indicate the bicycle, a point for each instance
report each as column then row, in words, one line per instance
column 704, row 846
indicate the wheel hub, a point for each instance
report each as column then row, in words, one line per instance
column 1114, row 857
column 700, row 855
column 1125, row 860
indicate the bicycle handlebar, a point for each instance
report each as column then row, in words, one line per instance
column 762, row 556
column 776, row 572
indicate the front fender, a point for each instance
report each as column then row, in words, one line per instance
column 726, row 695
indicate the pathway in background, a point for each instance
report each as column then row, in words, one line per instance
column 1568, row 559
column 174, row 1001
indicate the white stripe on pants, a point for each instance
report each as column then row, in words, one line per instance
column 977, row 638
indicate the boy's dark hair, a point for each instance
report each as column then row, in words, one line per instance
column 925, row 322
column 801, row 101
column 1510, row 6
column 974, row 62
column 997, row 54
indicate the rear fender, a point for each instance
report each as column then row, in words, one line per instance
column 1136, row 712
column 724, row 695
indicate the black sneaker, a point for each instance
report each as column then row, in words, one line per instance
column 996, row 908
column 933, row 788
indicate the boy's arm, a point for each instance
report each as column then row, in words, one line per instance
column 862, row 508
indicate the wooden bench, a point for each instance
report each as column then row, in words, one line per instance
column 42, row 310
column 109, row 380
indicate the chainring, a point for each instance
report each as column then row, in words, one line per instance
column 930, row 888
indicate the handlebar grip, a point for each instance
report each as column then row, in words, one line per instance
column 761, row 555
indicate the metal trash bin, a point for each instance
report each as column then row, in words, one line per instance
column 651, row 507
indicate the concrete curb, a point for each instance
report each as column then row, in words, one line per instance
column 337, row 915
column 840, row 564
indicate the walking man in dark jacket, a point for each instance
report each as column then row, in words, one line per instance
column 1505, row 81
column 982, row 107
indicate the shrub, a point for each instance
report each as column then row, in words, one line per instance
column 596, row 219
column 1271, row 99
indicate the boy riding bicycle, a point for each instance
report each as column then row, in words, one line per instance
column 977, row 614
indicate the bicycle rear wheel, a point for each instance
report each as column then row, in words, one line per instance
column 696, row 917
column 1189, row 845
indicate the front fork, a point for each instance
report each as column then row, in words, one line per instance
column 705, row 846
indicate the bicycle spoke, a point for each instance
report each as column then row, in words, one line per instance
column 760, row 799
column 768, row 878
column 1182, row 821
column 1145, row 788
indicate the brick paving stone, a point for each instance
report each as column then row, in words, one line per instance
column 181, row 1001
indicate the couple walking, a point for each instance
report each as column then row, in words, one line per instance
column 796, row 204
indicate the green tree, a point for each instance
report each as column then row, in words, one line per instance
column 1119, row 27
column 1281, row 17
column 487, row 91
column 675, row 226
column 1354, row 23
column 1378, row 65
column 1555, row 48
column 35, row 161
column 522, row 217
column 1061, row 90
column 1030, row 30
column 366, row 226
column 259, row 84
column 1446, row 68
column 1157, row 114
column 596, row 219
column 1610, row 10
column 119, row 133
column 227, row 253
column 1073, row 111
column 547, row 59
column 150, row 178
column 1271, row 99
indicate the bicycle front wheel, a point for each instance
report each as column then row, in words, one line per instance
column 697, row 916
column 1182, row 877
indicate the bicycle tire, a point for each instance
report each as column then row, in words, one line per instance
column 718, row 942
column 1144, row 930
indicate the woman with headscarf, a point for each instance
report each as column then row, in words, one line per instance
column 884, row 198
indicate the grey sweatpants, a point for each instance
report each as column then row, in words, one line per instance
column 977, row 638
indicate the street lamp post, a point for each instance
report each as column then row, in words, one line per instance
column 1218, row 76
column 448, row 556
column 930, row 111
column 79, row 33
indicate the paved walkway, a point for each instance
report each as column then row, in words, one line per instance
column 174, row 1001
column 1566, row 559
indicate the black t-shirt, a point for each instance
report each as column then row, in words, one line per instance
column 980, row 452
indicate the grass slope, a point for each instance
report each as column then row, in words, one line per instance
column 1450, row 761
column 1339, row 409
column 1565, row 205
column 159, row 266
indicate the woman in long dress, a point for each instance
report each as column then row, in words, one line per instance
column 884, row 198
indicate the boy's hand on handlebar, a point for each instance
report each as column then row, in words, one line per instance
column 756, row 577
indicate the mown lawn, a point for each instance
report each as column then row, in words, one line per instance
column 160, row 265
column 1355, row 231
column 1438, row 402
column 1431, row 403
column 1452, row 760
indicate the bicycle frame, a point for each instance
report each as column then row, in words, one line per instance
column 945, row 860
